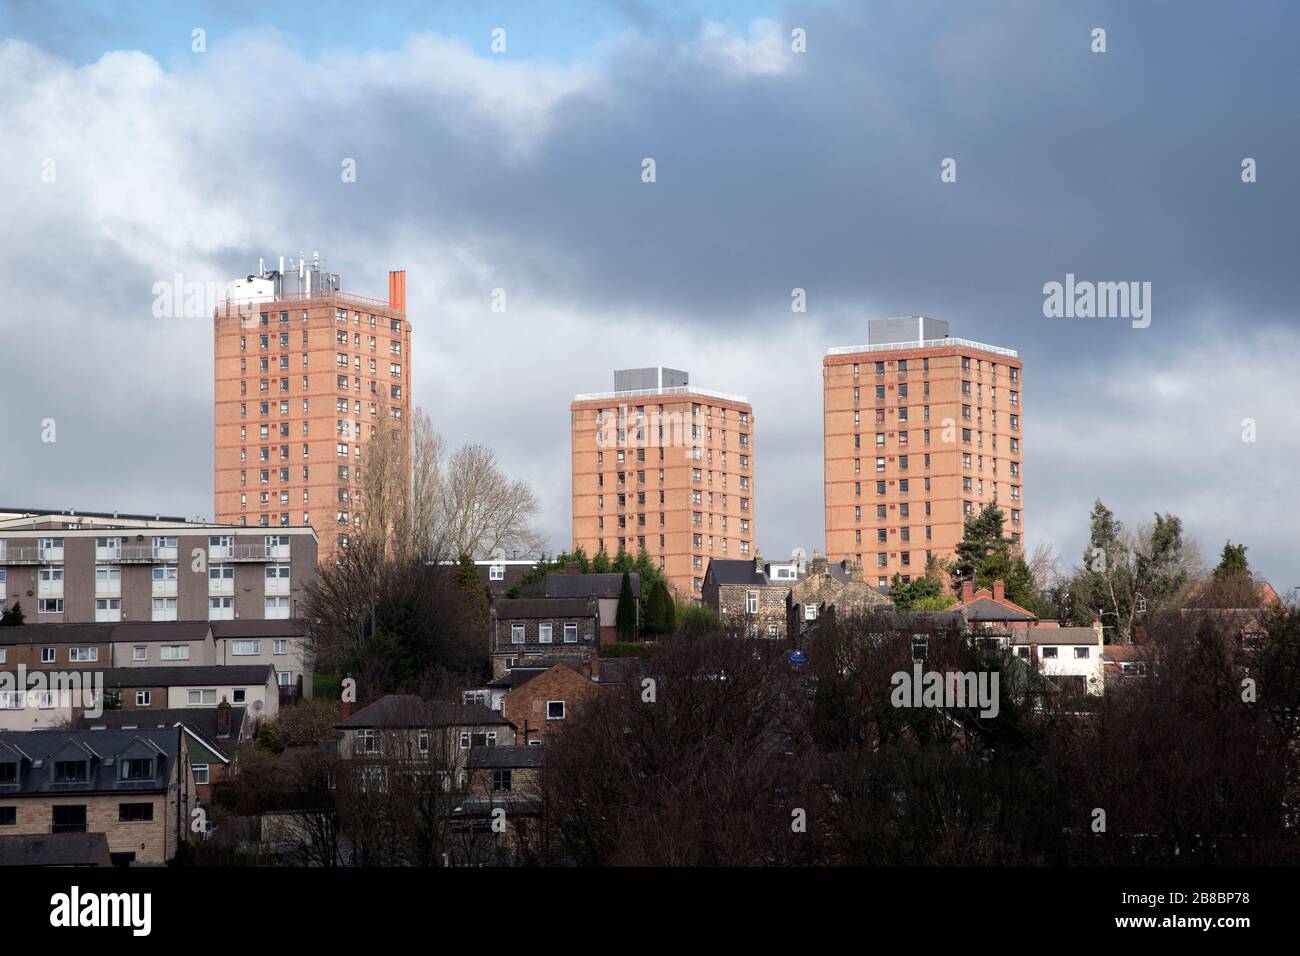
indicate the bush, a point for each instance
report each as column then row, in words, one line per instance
column 696, row 619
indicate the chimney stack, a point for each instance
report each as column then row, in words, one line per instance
column 967, row 592
column 758, row 562
column 397, row 289
column 999, row 591
column 223, row 718
column 855, row 572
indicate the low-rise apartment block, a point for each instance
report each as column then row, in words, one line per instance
column 80, row 567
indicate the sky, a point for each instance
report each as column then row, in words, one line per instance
column 131, row 156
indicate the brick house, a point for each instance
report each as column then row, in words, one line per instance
column 529, row 631
column 988, row 609
column 539, row 704
column 750, row 594
column 497, row 771
column 136, row 787
column 405, row 727
column 840, row 588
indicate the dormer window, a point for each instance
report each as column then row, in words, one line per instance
column 70, row 771
column 137, row 768
column 8, row 773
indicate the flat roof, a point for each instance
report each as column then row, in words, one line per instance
column 926, row 344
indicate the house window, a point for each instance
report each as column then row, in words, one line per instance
column 751, row 602
column 163, row 609
column 368, row 742
column 496, row 572
column 137, row 768
column 68, row 819
column 200, row 773
column 544, row 633
column 176, row 652
column 279, row 647
column 201, row 698
column 422, row 741
column 8, row 816
column 570, row 633
column 810, row 612
column 83, row 654
column 1049, row 652
column 555, row 710
column 144, row 698
column 501, row 781
column 1081, row 653
column 48, row 655
column 246, row 648
column 69, row 771
column 478, row 738
column 135, row 812
column 240, row 695
column 920, row 647
column 516, row 633
column 221, row 609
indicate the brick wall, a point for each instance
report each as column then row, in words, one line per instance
column 526, row 704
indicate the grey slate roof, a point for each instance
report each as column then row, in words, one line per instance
column 201, row 720
column 983, row 609
column 248, row 627
column 518, row 676
column 892, row 617
column 54, row 849
column 132, row 631
column 520, row 609
column 729, row 571
column 1053, row 635
column 408, row 710
column 505, row 758
column 37, row 751
column 560, row 585
column 188, row 675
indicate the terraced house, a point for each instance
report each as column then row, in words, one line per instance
column 282, row 645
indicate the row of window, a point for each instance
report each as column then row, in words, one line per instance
column 109, row 610
column 66, row 818
column 901, row 366
column 544, row 633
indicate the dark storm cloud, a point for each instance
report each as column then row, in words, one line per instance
column 774, row 171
